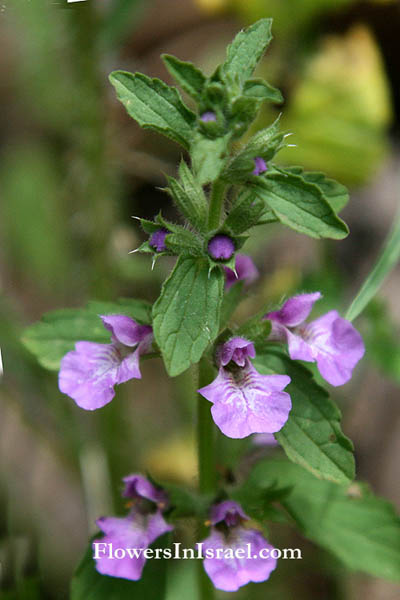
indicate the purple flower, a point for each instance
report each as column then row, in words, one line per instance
column 208, row 117
column 144, row 524
column 260, row 166
column 244, row 401
column 234, row 569
column 330, row 341
column 221, row 247
column 89, row 373
column 157, row 240
column 245, row 269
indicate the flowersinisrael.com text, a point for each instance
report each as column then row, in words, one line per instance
column 107, row 550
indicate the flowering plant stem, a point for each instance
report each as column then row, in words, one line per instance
column 206, row 465
column 216, row 203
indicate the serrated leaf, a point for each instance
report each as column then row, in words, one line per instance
column 187, row 313
column 259, row 88
column 246, row 50
column 334, row 192
column 312, row 436
column 154, row 105
column 300, row 205
column 208, row 157
column 361, row 529
column 189, row 77
column 88, row 584
column 189, row 197
column 58, row 331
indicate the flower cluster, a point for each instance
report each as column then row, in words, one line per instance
column 145, row 523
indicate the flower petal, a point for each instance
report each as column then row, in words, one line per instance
column 225, row 511
column 88, row 374
column 247, row 402
column 237, row 349
column 138, row 486
column 336, row 345
column 299, row 349
column 125, row 330
column 230, row 573
column 134, row 531
column 295, row 310
column 129, row 367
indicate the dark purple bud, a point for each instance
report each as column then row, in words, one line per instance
column 208, row 117
column 221, row 247
column 157, row 240
column 260, row 166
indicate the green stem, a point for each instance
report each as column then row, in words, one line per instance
column 206, row 465
column 216, row 203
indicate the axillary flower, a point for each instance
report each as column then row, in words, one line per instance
column 144, row 524
column 245, row 270
column 89, row 373
column 230, row 572
column 330, row 341
column 244, row 401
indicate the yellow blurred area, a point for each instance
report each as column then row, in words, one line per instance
column 175, row 459
column 212, row 6
column 354, row 63
column 341, row 109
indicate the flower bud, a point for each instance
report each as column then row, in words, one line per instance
column 157, row 240
column 260, row 166
column 221, row 247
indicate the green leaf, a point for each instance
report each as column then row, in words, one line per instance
column 185, row 243
column 189, row 197
column 186, row 315
column 259, row 88
column 300, row 205
column 361, row 529
column 387, row 260
column 334, row 192
column 208, row 157
column 58, row 331
column 246, row 50
column 312, row 436
column 154, row 105
column 88, row 584
column 189, row 77
column 245, row 212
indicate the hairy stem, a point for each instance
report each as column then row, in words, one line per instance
column 206, row 465
column 216, row 203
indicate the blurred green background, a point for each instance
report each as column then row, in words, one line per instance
column 74, row 169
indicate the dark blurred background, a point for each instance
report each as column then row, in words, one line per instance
column 74, row 169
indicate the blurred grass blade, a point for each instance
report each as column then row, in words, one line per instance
column 387, row 260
